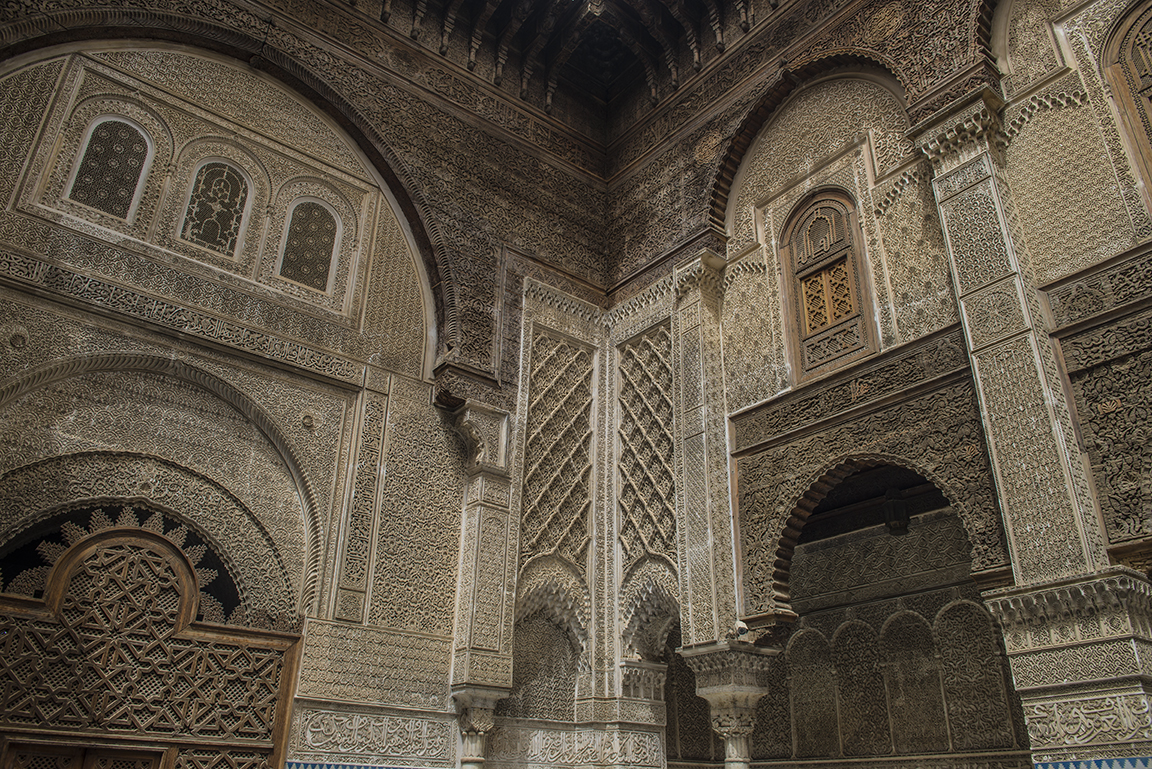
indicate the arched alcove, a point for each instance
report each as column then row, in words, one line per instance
column 880, row 581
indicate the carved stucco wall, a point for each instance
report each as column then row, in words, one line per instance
column 817, row 140
column 139, row 398
column 884, row 665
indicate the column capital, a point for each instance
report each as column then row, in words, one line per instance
column 971, row 127
column 732, row 676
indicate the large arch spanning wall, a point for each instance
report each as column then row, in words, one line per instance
column 18, row 41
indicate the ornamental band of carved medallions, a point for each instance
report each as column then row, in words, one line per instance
column 30, row 271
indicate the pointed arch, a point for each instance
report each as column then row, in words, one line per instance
column 787, row 81
column 820, row 485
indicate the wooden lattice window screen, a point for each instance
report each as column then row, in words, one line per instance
column 828, row 315
column 217, row 696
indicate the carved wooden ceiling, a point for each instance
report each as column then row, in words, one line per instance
column 597, row 46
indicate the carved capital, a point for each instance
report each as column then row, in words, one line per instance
column 732, row 676
column 705, row 273
column 485, row 430
column 730, row 672
column 475, row 715
column 1115, row 603
column 974, row 127
column 475, row 720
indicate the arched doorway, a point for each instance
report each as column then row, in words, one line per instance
column 893, row 654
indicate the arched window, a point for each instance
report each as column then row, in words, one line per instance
column 1128, row 67
column 216, row 208
column 309, row 245
column 830, row 318
column 108, row 177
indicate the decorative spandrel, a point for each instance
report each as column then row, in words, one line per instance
column 110, row 170
column 309, row 246
column 216, row 208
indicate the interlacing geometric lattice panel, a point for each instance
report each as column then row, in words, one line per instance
column 110, row 171
column 647, row 481
column 558, row 459
column 113, row 660
column 216, row 208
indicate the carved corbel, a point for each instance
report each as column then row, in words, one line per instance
column 705, row 274
column 732, row 676
column 485, row 430
column 475, row 715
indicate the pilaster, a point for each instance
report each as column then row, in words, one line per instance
column 482, row 658
column 732, row 676
column 706, row 585
column 1075, row 628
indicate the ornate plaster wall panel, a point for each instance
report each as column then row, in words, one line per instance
column 326, row 735
column 1086, row 32
column 753, row 343
column 352, row 663
column 1061, row 139
column 919, row 433
column 354, row 574
column 1024, row 40
column 788, row 147
column 812, row 678
column 646, row 472
column 397, row 317
column 543, row 673
column 915, row 255
column 419, row 529
column 557, row 491
column 513, row 744
column 932, row 553
column 1109, row 367
column 27, row 93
